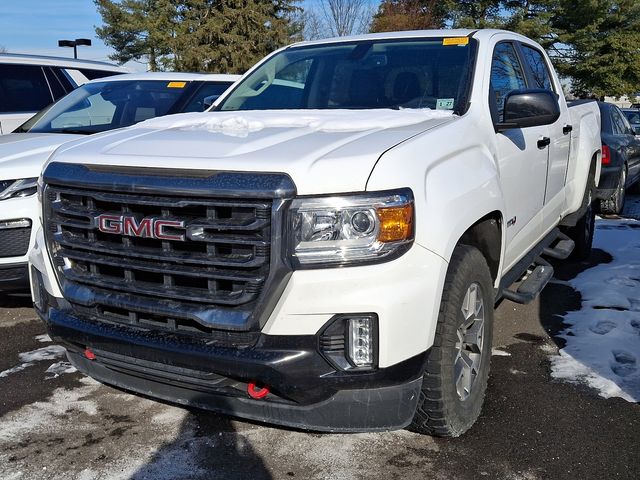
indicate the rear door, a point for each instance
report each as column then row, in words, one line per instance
column 522, row 157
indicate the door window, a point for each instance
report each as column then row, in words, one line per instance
column 506, row 76
column 538, row 68
column 23, row 88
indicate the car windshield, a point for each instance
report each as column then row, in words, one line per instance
column 102, row 106
column 417, row 73
column 633, row 117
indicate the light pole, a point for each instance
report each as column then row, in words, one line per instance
column 74, row 44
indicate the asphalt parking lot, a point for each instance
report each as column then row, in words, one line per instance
column 57, row 424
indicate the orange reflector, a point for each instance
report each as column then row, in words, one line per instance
column 176, row 84
column 396, row 223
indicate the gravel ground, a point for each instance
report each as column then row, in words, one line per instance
column 56, row 425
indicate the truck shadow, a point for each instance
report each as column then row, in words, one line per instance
column 207, row 447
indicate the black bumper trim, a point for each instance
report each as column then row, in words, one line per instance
column 361, row 410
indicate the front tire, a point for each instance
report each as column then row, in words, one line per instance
column 457, row 366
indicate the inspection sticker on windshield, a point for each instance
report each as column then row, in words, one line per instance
column 455, row 41
column 444, row 104
column 176, row 84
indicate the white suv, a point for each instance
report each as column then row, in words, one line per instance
column 28, row 83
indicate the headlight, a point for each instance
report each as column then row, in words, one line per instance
column 351, row 229
column 18, row 188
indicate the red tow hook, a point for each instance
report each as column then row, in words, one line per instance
column 89, row 354
column 257, row 393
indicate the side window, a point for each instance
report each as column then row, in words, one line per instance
column 506, row 76
column 23, row 88
column 538, row 67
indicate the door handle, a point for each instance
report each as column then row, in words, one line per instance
column 544, row 142
column 567, row 129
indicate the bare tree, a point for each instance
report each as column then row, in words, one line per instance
column 347, row 17
column 313, row 25
column 2, row 49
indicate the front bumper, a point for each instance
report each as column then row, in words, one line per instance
column 306, row 391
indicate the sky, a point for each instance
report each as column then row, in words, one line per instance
column 35, row 26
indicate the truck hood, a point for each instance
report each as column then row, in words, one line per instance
column 22, row 155
column 323, row 151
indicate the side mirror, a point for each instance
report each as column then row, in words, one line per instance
column 529, row 108
column 208, row 101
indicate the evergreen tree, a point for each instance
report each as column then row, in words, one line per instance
column 598, row 46
column 196, row 35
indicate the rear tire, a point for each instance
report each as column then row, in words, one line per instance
column 615, row 204
column 582, row 234
column 457, row 366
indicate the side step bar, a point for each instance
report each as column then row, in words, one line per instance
column 555, row 245
column 531, row 286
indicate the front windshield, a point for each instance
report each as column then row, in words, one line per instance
column 97, row 107
column 632, row 116
column 417, row 73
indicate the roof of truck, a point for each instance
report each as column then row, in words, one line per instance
column 455, row 32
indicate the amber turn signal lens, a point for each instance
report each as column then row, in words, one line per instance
column 396, row 223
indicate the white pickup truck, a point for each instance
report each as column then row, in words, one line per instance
column 324, row 249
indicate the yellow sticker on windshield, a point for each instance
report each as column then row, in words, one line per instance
column 455, row 41
column 176, row 84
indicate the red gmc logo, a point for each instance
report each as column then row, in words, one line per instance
column 132, row 227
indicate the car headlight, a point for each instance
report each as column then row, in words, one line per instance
column 350, row 229
column 24, row 187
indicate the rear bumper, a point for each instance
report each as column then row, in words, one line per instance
column 307, row 392
column 608, row 184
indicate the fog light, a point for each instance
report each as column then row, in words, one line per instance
column 361, row 341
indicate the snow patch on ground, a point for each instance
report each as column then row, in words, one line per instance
column 499, row 353
column 603, row 338
column 44, row 338
column 59, row 368
column 243, row 123
column 29, row 359
column 40, row 416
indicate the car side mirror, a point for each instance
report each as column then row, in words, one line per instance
column 529, row 108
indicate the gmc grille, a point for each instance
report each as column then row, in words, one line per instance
column 215, row 279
